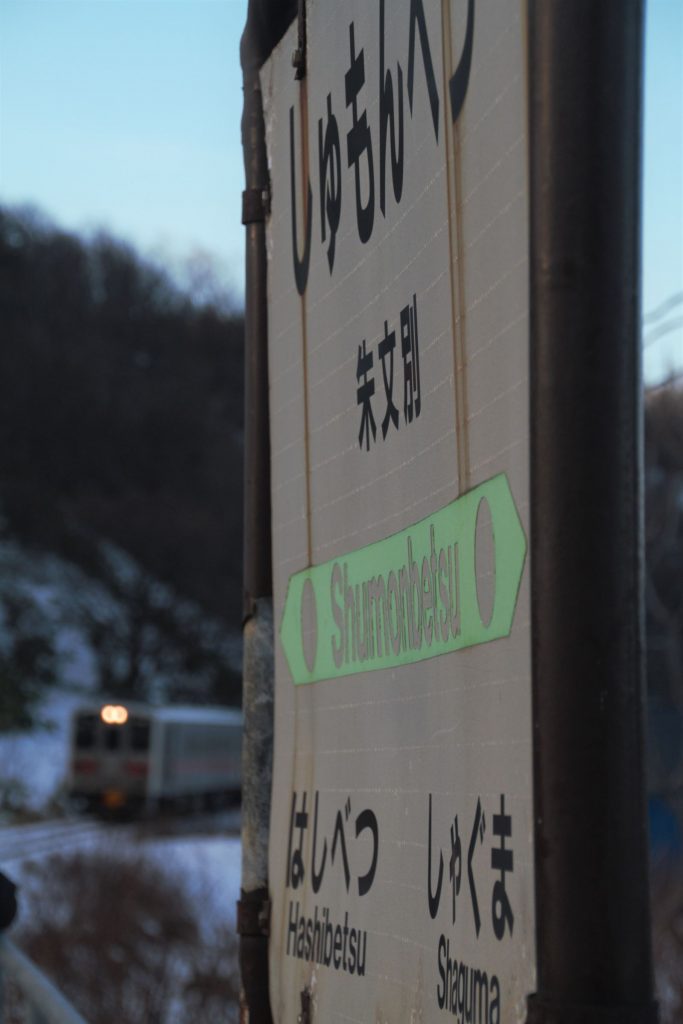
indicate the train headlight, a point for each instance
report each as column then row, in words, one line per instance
column 114, row 714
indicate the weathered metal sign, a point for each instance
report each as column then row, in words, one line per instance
column 401, row 853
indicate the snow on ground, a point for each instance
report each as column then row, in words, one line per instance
column 211, row 869
column 207, row 866
column 33, row 764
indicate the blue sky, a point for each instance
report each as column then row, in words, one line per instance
column 663, row 187
column 125, row 114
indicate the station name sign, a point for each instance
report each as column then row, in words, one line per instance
column 401, row 830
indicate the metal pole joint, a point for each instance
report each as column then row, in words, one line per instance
column 255, row 205
column 253, row 913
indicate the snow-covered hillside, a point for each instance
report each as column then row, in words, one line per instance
column 87, row 631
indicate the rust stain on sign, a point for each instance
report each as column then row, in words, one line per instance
column 307, row 214
column 457, row 260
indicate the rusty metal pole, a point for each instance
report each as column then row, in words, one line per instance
column 593, row 923
column 266, row 22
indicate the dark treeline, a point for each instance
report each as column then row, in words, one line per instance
column 121, row 402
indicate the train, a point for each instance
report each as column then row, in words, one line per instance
column 137, row 757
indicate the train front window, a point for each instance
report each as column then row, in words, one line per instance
column 139, row 735
column 86, row 731
column 112, row 737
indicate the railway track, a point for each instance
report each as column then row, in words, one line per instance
column 19, row 843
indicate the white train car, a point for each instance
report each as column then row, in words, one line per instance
column 135, row 755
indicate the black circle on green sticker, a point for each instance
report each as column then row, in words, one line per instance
column 484, row 561
column 309, row 624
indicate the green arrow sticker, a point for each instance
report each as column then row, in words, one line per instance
column 417, row 594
